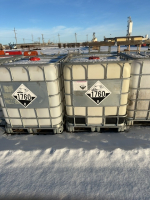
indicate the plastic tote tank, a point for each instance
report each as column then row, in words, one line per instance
column 96, row 91
column 32, row 94
column 139, row 97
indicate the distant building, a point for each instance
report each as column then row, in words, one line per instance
column 124, row 39
column 1, row 47
column 94, row 38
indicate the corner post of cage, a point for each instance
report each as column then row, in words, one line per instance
column 138, row 87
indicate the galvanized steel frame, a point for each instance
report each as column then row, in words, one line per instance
column 25, row 66
column 68, row 62
column 138, row 89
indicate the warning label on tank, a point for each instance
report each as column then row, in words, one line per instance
column 24, row 96
column 80, row 85
column 98, row 92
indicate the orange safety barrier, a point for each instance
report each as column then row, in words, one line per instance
column 13, row 53
column 30, row 53
column 2, row 53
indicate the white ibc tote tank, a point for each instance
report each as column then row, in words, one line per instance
column 96, row 92
column 32, row 94
column 139, row 96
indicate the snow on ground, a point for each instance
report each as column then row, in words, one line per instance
column 56, row 50
column 106, row 165
column 27, row 61
column 101, row 59
column 85, row 165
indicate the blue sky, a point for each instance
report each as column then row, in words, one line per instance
column 66, row 17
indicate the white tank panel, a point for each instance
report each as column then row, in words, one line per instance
column 98, row 73
column 95, row 111
column 144, row 94
column 14, row 113
column 4, row 74
column 56, row 111
column 28, row 113
column 55, row 100
column 69, row 110
column 79, row 111
column 19, row 74
column 51, row 73
column 139, row 115
column 36, row 73
column 95, row 120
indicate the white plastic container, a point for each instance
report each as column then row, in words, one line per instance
column 32, row 94
column 139, row 96
column 96, row 92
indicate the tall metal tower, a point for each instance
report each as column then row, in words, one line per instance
column 76, row 37
column 58, row 38
column 129, row 26
column 15, row 35
column 87, row 37
column 39, row 39
column 94, row 36
column 32, row 38
column 42, row 38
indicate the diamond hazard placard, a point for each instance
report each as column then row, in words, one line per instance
column 24, row 96
column 98, row 92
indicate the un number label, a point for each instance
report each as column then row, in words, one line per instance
column 24, row 96
column 98, row 94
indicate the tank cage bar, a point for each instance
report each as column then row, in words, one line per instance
column 10, row 58
column 127, row 56
column 36, row 117
column 115, row 121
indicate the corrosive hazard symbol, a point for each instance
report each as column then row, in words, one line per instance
column 24, row 96
column 80, row 85
column 98, row 92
